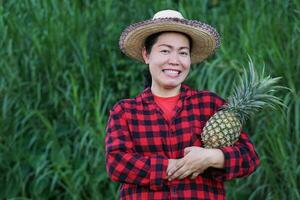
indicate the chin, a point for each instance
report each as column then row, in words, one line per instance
column 172, row 85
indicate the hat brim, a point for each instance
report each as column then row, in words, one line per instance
column 205, row 38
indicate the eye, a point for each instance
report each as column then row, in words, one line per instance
column 165, row 51
column 184, row 53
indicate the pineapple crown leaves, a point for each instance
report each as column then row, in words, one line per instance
column 253, row 93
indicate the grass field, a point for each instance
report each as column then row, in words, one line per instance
column 61, row 71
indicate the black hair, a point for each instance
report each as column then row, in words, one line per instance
column 149, row 42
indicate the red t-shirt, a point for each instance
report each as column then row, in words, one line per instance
column 167, row 105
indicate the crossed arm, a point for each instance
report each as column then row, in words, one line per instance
column 195, row 161
column 125, row 165
column 229, row 162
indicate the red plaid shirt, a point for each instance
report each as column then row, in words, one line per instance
column 139, row 142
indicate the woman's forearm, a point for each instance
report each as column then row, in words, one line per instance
column 217, row 158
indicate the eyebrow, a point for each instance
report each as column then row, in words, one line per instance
column 171, row 47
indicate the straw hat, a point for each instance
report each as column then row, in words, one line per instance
column 205, row 39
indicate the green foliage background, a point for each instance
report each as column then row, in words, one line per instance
column 61, row 70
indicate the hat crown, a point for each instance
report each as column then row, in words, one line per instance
column 168, row 14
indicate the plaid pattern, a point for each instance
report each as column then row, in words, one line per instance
column 139, row 142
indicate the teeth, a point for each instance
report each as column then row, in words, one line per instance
column 170, row 71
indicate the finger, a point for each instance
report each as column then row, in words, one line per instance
column 180, row 173
column 175, row 168
column 185, row 174
column 176, row 175
column 187, row 150
column 172, row 168
column 194, row 175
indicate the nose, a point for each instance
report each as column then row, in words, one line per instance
column 173, row 59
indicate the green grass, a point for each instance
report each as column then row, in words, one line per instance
column 61, row 71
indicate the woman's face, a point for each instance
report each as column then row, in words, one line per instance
column 169, row 60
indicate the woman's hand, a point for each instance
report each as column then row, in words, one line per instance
column 171, row 165
column 195, row 161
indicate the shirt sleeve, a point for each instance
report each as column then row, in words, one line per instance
column 241, row 158
column 123, row 163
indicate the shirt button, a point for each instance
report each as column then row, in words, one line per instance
column 174, row 190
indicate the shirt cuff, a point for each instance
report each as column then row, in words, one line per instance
column 230, row 164
column 158, row 168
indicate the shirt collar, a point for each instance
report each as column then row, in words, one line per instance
column 147, row 95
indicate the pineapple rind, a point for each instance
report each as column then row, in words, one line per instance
column 222, row 129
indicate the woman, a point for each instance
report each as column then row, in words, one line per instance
column 153, row 144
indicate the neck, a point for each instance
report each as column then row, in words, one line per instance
column 165, row 91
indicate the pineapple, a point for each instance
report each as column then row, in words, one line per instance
column 253, row 93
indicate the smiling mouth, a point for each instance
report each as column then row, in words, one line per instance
column 171, row 72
